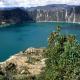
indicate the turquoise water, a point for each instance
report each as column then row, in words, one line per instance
column 19, row 37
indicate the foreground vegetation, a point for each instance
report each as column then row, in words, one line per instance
column 62, row 58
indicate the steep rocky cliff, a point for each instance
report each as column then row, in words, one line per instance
column 56, row 13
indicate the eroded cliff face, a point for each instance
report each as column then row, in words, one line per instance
column 68, row 14
column 25, row 65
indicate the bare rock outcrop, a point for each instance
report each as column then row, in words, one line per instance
column 24, row 64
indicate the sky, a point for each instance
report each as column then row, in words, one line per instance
column 34, row 3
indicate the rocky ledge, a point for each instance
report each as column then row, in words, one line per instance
column 23, row 65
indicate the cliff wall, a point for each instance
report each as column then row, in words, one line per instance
column 38, row 14
column 68, row 14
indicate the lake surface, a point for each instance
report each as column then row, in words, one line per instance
column 19, row 37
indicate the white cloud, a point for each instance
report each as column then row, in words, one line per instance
column 33, row 3
column 73, row 2
column 2, row 4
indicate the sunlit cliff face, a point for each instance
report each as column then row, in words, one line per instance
column 34, row 3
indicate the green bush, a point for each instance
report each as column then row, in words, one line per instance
column 63, row 55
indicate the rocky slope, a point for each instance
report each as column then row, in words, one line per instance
column 14, row 15
column 56, row 13
column 25, row 65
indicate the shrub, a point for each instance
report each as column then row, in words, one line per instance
column 63, row 55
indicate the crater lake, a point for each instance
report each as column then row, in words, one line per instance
column 19, row 37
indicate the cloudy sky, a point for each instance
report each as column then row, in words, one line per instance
column 33, row 3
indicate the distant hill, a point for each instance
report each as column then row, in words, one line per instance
column 14, row 15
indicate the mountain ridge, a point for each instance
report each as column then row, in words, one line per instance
column 58, row 13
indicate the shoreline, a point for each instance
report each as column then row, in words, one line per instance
column 8, row 24
column 30, row 49
column 59, row 22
